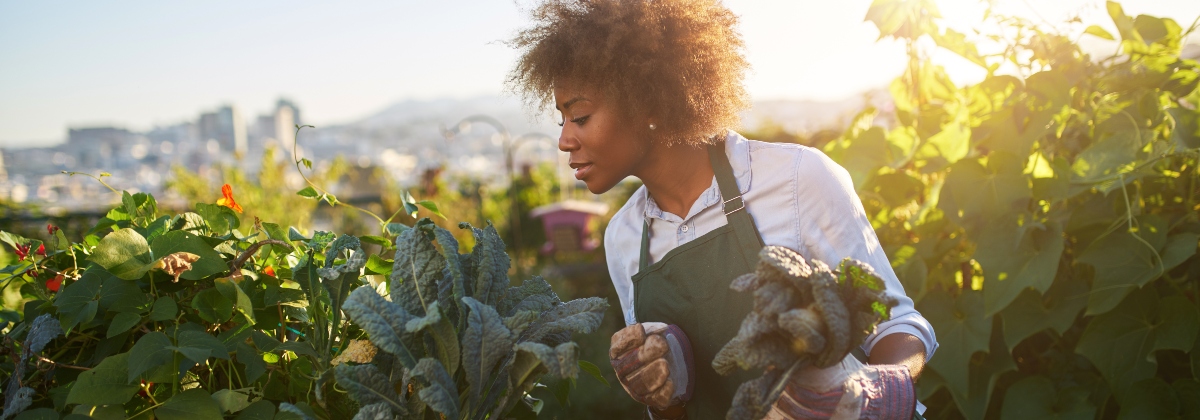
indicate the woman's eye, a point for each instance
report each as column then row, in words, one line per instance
column 561, row 123
column 581, row 120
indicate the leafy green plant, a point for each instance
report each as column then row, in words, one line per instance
column 189, row 316
column 456, row 336
column 1045, row 220
column 805, row 315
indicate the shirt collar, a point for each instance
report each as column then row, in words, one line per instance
column 737, row 148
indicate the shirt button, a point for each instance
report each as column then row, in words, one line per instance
column 684, row 228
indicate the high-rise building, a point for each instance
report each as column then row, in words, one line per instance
column 226, row 127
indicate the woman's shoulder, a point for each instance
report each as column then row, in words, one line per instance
column 789, row 162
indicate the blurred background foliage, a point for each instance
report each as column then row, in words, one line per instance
column 1045, row 219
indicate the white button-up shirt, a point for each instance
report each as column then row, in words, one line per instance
column 798, row 198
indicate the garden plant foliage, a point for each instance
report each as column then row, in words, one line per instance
column 1046, row 219
column 195, row 316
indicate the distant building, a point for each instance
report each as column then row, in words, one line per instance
column 226, row 127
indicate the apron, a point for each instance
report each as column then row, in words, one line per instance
column 689, row 287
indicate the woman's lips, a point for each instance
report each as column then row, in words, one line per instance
column 581, row 170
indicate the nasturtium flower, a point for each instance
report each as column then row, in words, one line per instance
column 42, row 250
column 227, row 199
column 51, row 229
column 270, row 271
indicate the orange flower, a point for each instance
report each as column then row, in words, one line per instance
column 227, row 199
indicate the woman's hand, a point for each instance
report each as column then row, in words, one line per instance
column 653, row 363
column 848, row 390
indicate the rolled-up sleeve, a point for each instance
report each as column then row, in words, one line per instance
column 833, row 226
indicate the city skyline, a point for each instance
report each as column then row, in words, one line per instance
column 93, row 65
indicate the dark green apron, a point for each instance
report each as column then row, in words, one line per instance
column 689, row 287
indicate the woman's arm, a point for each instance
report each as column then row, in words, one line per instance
column 900, row 349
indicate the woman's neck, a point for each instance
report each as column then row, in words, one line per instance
column 676, row 176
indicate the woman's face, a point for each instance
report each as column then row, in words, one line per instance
column 604, row 149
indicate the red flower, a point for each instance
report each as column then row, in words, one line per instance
column 227, row 199
column 51, row 229
column 42, row 250
column 55, row 283
column 22, row 251
column 270, row 271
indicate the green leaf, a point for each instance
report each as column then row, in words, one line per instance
column 205, row 341
column 378, row 240
column 974, row 194
column 1126, row 260
column 119, row 295
column 491, row 266
column 232, row 291
column 255, row 366
column 1109, row 156
column 212, row 306
column 164, row 309
column 1030, row 313
column 577, row 316
column 157, row 227
column 308, row 192
column 533, row 295
column 594, row 371
column 1150, row 399
column 149, row 352
column 432, row 207
column 962, row 331
column 193, row 404
column 396, row 228
column 559, row 361
column 107, row 383
column 220, row 219
column 1186, row 132
column 367, row 385
column 1121, row 343
column 443, row 333
column 417, row 268
column 122, row 322
column 1016, row 257
column 307, row 163
column 1036, row 397
column 210, row 261
column 123, row 253
column 384, row 322
column 377, row 411
column 295, row 235
column 303, row 348
column 259, row 410
column 439, row 393
column 231, row 401
column 1097, row 31
column 78, row 301
column 485, row 342
column 380, row 266
column 38, row 414
column 451, row 292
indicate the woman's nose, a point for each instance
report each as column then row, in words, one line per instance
column 567, row 141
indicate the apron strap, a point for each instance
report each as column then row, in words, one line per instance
column 742, row 223
column 734, row 204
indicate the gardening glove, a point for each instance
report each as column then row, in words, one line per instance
column 653, row 362
column 847, row 390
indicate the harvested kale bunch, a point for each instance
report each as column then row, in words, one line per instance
column 804, row 315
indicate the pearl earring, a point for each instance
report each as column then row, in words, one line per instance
column 652, row 126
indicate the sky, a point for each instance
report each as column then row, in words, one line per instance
column 141, row 64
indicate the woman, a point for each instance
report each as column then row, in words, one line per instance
column 649, row 88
